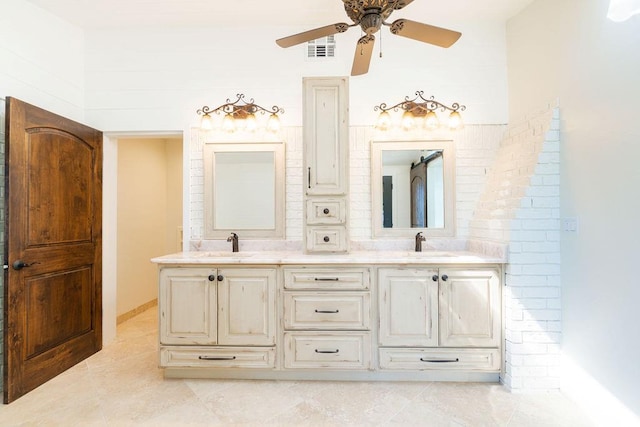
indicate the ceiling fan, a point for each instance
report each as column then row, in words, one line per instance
column 371, row 15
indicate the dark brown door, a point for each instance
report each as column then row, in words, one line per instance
column 53, row 283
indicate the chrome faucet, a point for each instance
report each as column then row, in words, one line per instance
column 234, row 242
column 419, row 239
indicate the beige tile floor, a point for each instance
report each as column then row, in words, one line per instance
column 122, row 386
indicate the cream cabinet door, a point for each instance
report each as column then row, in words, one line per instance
column 470, row 308
column 187, row 306
column 326, row 135
column 408, row 307
column 247, row 306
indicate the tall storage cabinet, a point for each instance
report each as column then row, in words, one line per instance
column 326, row 160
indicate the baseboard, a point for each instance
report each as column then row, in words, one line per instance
column 133, row 313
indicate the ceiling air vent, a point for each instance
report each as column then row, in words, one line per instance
column 324, row 47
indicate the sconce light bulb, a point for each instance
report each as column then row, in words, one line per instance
column 455, row 120
column 206, row 123
column 273, row 124
column 384, row 121
column 431, row 120
column 228, row 123
column 251, row 124
column 407, row 120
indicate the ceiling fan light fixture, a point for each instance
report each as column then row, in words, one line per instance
column 370, row 16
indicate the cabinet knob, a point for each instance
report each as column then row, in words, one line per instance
column 212, row 278
column 444, row 277
column 220, row 278
column 326, row 239
column 434, row 277
column 326, row 211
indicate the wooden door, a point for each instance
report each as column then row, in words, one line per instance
column 188, row 306
column 469, row 308
column 408, row 307
column 247, row 306
column 53, row 283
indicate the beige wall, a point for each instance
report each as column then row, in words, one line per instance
column 568, row 50
column 149, row 213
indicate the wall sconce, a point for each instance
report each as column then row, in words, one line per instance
column 240, row 114
column 422, row 108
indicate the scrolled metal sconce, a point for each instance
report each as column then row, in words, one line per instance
column 240, row 112
column 419, row 107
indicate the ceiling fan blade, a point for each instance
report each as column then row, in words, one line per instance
column 362, row 58
column 312, row 34
column 424, row 32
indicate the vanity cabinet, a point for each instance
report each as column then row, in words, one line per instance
column 351, row 316
column 216, row 315
column 447, row 318
column 326, row 161
column 327, row 318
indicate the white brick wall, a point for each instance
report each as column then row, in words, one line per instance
column 520, row 206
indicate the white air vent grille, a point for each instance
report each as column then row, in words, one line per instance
column 324, row 47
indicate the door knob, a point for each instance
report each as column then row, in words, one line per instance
column 445, row 277
column 434, row 277
column 19, row 264
column 212, row 278
column 220, row 278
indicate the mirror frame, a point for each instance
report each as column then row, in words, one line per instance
column 448, row 155
column 209, row 153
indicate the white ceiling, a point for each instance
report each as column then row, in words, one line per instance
column 103, row 14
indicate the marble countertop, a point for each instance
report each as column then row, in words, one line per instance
column 293, row 258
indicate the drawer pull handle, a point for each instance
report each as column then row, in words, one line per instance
column 326, row 211
column 422, row 359
column 328, row 311
column 326, row 279
column 327, row 351
column 217, row 357
column 326, row 239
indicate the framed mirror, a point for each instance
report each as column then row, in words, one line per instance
column 413, row 188
column 244, row 190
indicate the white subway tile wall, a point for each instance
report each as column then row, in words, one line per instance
column 521, row 206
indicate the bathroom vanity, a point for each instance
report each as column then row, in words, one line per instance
column 362, row 315
column 328, row 310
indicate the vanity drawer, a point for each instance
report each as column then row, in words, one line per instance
column 320, row 350
column 219, row 357
column 326, row 211
column 327, row 239
column 327, row 310
column 330, row 278
column 440, row 359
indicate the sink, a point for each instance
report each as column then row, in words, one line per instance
column 431, row 254
column 226, row 254
column 413, row 254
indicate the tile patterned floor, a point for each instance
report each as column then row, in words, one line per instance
column 122, row 386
